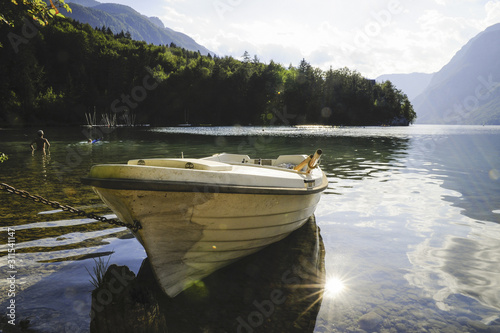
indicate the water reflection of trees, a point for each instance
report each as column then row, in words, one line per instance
column 278, row 289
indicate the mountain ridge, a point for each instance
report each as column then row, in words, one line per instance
column 466, row 89
column 412, row 84
column 124, row 18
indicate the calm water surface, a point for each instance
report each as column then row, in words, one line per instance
column 410, row 228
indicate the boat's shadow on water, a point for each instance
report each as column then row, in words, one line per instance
column 278, row 289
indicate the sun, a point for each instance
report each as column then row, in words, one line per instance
column 333, row 287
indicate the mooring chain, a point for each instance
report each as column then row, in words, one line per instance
column 54, row 204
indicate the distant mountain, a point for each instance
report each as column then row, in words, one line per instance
column 120, row 17
column 467, row 89
column 157, row 21
column 86, row 3
column 411, row 84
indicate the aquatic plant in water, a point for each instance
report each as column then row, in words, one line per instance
column 97, row 274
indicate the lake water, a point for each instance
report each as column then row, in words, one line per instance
column 409, row 225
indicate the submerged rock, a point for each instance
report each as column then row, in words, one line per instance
column 370, row 321
column 478, row 326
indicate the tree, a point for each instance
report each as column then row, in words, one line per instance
column 246, row 57
column 12, row 12
column 161, row 84
column 408, row 111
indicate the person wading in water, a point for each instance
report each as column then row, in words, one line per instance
column 40, row 142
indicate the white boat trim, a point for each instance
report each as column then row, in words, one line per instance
column 173, row 186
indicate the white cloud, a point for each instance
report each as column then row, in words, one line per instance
column 171, row 16
column 492, row 12
column 372, row 36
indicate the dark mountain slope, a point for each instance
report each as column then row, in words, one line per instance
column 467, row 89
column 124, row 18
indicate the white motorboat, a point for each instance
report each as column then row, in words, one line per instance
column 198, row 215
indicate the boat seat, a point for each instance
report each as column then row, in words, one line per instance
column 292, row 159
column 229, row 158
column 183, row 163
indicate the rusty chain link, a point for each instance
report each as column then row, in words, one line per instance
column 54, row 204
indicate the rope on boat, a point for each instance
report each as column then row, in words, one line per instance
column 36, row 198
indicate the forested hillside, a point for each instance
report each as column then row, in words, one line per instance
column 119, row 17
column 66, row 69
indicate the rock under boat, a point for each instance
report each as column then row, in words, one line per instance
column 199, row 215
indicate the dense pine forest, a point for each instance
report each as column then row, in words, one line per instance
column 60, row 73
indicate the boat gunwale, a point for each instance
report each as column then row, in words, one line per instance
column 196, row 187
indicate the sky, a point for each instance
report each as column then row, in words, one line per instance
column 373, row 37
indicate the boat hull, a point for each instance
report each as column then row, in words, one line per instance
column 189, row 235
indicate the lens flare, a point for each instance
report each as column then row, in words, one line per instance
column 494, row 174
column 333, row 287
